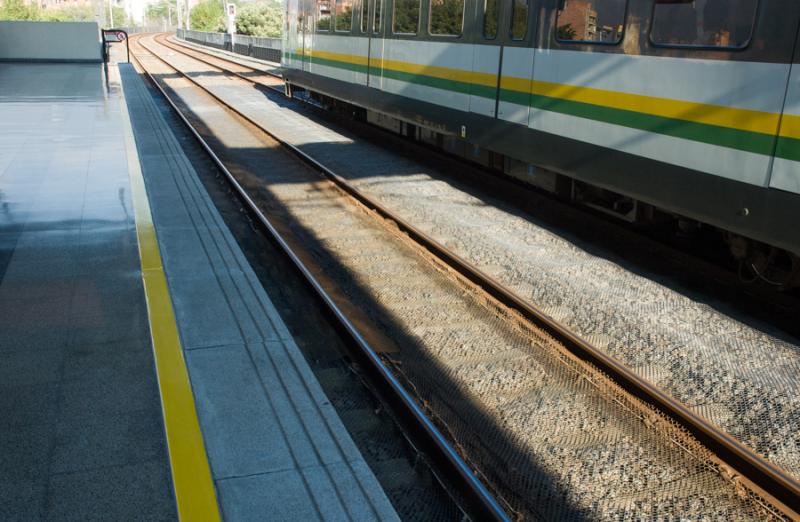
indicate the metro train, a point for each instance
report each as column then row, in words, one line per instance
column 687, row 110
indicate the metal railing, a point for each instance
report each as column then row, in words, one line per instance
column 262, row 48
column 115, row 36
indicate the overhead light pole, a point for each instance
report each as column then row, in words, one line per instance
column 180, row 13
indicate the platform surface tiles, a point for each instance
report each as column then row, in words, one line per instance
column 144, row 372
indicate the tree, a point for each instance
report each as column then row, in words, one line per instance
column 447, row 17
column 344, row 18
column 490, row 19
column 17, row 10
column 208, row 16
column 70, row 13
column 519, row 20
column 566, row 32
column 406, row 16
column 158, row 13
column 120, row 17
column 260, row 19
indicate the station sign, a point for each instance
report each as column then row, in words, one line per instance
column 231, row 12
column 114, row 36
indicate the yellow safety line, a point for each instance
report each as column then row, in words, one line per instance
column 191, row 477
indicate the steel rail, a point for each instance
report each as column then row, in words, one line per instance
column 763, row 477
column 210, row 51
column 479, row 502
column 162, row 40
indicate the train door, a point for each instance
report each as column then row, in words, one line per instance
column 786, row 165
column 291, row 35
column 371, row 27
column 375, row 51
column 517, row 32
column 365, row 32
column 312, row 11
column 349, row 41
column 486, row 60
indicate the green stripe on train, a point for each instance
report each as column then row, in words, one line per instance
column 755, row 142
column 788, row 148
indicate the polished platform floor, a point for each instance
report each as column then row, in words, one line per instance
column 85, row 163
column 81, row 429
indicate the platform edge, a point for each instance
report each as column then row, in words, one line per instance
column 195, row 494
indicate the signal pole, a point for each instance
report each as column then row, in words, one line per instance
column 180, row 14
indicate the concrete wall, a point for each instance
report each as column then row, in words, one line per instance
column 50, row 41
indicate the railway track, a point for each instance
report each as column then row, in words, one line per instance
column 719, row 455
column 470, row 493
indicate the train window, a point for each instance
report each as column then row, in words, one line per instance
column 406, row 17
column 376, row 17
column 446, row 17
column 344, row 16
column 703, row 23
column 323, row 15
column 364, row 15
column 519, row 19
column 591, row 21
column 491, row 12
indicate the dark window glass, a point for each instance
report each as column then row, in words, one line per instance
column 519, row 19
column 344, row 15
column 323, row 15
column 594, row 21
column 376, row 20
column 406, row 16
column 364, row 15
column 446, row 17
column 704, row 23
column 491, row 12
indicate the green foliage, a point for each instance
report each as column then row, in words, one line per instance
column 344, row 18
column 447, row 17
column 161, row 13
column 208, row 16
column 260, row 19
column 406, row 16
column 17, row 10
column 519, row 19
column 70, row 13
column 120, row 17
column 490, row 19
column 324, row 24
column 566, row 32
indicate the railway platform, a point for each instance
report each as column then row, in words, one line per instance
column 145, row 373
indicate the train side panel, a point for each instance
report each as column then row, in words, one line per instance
column 715, row 116
column 437, row 72
column 290, row 58
column 340, row 57
column 483, row 89
column 786, row 168
column 691, row 131
column 515, row 80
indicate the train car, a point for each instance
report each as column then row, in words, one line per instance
column 686, row 108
